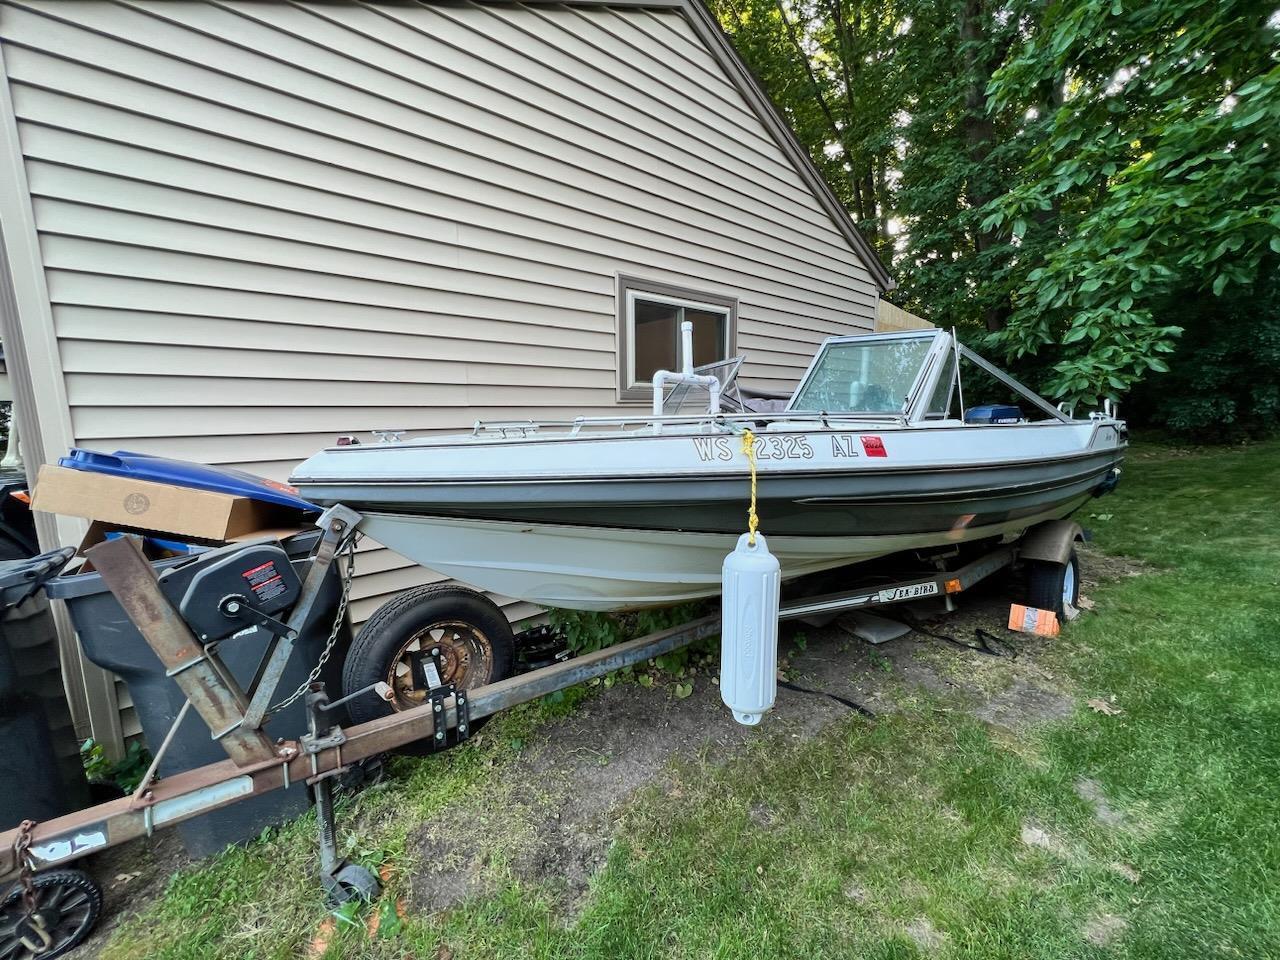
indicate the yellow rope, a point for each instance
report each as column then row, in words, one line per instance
column 753, row 521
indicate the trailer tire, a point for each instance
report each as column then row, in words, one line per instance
column 1055, row 586
column 69, row 901
column 475, row 639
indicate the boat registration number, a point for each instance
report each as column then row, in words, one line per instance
column 790, row 447
column 909, row 592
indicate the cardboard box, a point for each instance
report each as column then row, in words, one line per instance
column 156, row 507
column 99, row 529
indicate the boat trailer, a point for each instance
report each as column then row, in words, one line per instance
column 256, row 764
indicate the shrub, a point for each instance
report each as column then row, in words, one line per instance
column 1223, row 385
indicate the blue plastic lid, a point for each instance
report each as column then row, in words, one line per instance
column 184, row 473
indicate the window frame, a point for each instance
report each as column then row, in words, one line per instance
column 629, row 289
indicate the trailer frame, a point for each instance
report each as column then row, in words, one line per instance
column 316, row 758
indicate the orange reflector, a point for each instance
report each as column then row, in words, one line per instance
column 953, row 586
column 21, row 495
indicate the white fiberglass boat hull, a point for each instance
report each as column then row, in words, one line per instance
column 600, row 568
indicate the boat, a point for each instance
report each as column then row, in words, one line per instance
column 875, row 453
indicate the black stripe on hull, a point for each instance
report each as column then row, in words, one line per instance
column 850, row 503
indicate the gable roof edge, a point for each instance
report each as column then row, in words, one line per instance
column 721, row 47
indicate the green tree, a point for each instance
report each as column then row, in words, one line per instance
column 956, row 156
column 1066, row 174
column 1222, row 385
column 827, row 64
column 1159, row 166
column 889, row 98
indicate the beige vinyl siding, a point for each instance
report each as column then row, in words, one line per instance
column 130, row 725
column 890, row 318
column 265, row 224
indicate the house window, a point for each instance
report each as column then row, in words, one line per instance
column 649, row 319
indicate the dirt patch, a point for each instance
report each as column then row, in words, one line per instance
column 1034, row 835
column 1097, row 567
column 969, row 652
column 1024, row 703
column 550, row 818
column 857, row 893
column 1104, row 929
column 1091, row 792
column 926, row 936
column 132, row 875
column 1125, row 871
column 762, row 816
column 447, row 873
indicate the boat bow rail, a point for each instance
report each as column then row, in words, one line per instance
column 932, row 363
column 644, row 423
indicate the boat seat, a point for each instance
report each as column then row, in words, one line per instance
column 763, row 405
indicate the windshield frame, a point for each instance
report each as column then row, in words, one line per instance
column 940, row 342
column 915, row 409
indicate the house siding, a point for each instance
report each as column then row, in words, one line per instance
column 891, row 318
column 265, row 224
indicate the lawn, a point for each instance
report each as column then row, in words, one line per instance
column 1148, row 829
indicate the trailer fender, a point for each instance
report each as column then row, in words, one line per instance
column 1052, row 541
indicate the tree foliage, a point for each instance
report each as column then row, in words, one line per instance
column 826, row 63
column 1223, row 386
column 1063, row 176
column 1159, row 161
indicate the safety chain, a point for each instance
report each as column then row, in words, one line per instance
column 339, row 618
column 36, row 938
column 22, row 859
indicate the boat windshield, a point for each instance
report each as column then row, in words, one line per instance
column 863, row 376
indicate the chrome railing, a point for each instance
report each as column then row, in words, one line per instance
column 524, row 428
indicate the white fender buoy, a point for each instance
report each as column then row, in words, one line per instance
column 752, row 581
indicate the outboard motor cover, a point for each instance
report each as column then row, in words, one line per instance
column 749, row 630
column 994, row 413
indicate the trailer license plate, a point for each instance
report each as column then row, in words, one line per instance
column 909, row 592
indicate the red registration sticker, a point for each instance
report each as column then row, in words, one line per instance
column 873, row 446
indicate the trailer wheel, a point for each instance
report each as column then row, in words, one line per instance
column 1055, row 586
column 67, row 906
column 354, row 882
column 471, row 635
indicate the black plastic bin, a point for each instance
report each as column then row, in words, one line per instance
column 39, row 754
column 110, row 640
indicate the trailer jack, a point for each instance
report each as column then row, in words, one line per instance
column 342, row 881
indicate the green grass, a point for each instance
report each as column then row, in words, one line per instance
column 913, row 818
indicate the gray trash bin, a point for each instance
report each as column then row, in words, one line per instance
column 110, row 640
